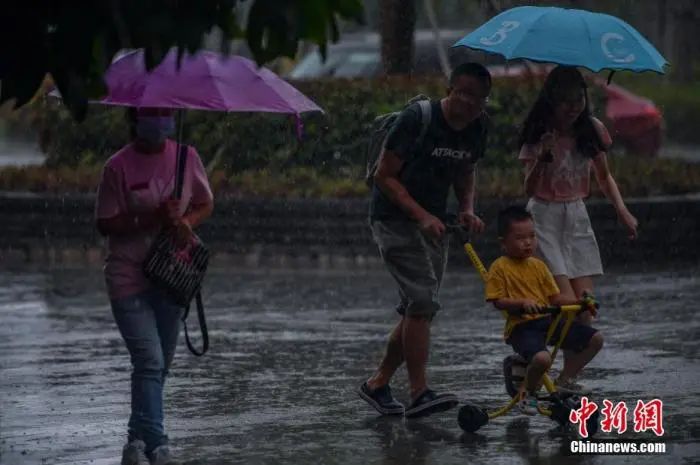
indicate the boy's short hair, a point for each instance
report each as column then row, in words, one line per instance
column 510, row 215
column 475, row 70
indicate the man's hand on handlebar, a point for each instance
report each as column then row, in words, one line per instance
column 432, row 226
column 471, row 222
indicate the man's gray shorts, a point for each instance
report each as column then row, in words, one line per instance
column 416, row 261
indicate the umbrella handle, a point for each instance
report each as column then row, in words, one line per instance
column 610, row 76
column 299, row 127
column 180, row 166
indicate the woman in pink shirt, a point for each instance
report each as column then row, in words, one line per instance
column 561, row 142
column 133, row 204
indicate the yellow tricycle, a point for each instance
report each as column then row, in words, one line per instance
column 553, row 404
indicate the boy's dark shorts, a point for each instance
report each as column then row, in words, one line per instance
column 529, row 338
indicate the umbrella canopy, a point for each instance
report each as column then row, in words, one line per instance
column 568, row 37
column 203, row 81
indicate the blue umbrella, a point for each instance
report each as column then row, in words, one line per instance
column 568, row 37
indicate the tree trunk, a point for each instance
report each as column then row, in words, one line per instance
column 440, row 50
column 397, row 21
column 661, row 9
column 683, row 42
column 491, row 8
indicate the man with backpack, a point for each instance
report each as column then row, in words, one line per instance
column 430, row 147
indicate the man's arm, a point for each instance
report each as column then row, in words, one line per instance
column 464, row 186
column 387, row 180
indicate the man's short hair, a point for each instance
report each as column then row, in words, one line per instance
column 510, row 215
column 472, row 69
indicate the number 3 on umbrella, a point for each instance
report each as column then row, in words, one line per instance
column 501, row 34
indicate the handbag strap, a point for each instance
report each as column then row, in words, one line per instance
column 202, row 327
column 180, row 169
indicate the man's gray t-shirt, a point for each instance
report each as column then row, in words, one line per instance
column 429, row 170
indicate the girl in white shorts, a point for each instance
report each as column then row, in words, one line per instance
column 560, row 143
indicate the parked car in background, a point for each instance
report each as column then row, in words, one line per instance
column 359, row 55
column 636, row 123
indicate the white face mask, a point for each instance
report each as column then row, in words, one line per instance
column 155, row 129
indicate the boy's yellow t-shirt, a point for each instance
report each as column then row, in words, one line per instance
column 527, row 278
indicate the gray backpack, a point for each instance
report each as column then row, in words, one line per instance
column 381, row 126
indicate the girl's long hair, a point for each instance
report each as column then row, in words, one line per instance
column 539, row 120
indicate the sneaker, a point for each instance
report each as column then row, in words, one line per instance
column 381, row 399
column 528, row 403
column 134, row 453
column 161, row 456
column 572, row 388
column 431, row 402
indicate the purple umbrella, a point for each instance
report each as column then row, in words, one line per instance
column 203, row 81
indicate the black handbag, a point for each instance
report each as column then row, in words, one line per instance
column 180, row 271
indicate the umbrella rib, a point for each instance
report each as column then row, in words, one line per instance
column 633, row 32
column 590, row 38
column 217, row 84
column 513, row 52
column 277, row 93
column 272, row 88
column 212, row 77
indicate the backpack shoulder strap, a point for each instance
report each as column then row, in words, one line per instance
column 426, row 109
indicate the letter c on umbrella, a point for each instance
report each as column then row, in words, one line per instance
column 614, row 36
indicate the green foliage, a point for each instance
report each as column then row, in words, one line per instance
column 640, row 176
column 46, row 179
column 75, row 41
column 297, row 182
column 333, row 142
column 259, row 154
column 71, row 143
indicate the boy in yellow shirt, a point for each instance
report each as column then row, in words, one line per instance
column 519, row 285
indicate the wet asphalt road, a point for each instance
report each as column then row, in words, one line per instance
column 289, row 348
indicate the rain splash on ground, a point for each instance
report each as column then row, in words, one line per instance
column 289, row 350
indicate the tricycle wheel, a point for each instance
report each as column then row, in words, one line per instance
column 471, row 418
column 561, row 408
column 514, row 368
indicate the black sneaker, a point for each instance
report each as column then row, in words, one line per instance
column 431, row 402
column 381, row 399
